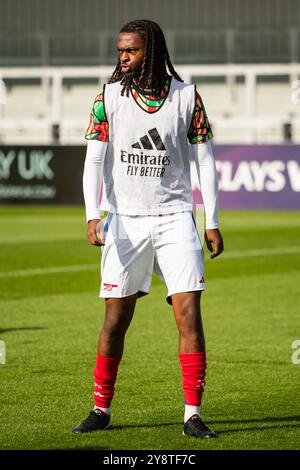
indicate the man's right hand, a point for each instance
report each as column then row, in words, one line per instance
column 95, row 237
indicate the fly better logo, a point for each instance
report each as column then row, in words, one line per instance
column 147, row 164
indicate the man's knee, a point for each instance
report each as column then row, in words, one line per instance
column 118, row 316
column 188, row 317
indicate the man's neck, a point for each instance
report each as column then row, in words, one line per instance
column 145, row 91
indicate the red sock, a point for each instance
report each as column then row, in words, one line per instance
column 193, row 367
column 105, row 374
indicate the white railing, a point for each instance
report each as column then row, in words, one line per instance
column 52, row 81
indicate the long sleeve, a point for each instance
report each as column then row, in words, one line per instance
column 92, row 177
column 208, row 180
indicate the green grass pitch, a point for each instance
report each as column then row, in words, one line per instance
column 51, row 316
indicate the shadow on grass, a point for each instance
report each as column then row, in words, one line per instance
column 21, row 328
column 281, row 423
column 267, row 419
column 214, row 422
column 133, row 426
column 114, row 427
column 261, row 428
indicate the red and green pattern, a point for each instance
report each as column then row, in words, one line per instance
column 98, row 128
column 147, row 101
column 200, row 130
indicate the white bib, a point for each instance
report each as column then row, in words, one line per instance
column 146, row 167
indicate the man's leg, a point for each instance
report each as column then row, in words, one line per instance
column 192, row 357
column 118, row 315
column 186, row 306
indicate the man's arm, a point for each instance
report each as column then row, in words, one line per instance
column 208, row 180
column 92, row 180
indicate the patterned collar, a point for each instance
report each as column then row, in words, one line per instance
column 147, row 101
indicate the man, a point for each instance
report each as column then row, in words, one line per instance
column 138, row 142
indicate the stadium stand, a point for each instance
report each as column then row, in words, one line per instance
column 243, row 56
column 245, row 103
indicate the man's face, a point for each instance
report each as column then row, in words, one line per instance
column 131, row 50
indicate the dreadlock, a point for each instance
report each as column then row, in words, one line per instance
column 156, row 58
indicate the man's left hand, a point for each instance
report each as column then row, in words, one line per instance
column 214, row 241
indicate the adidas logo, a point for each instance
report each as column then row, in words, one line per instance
column 146, row 144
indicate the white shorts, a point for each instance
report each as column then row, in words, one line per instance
column 135, row 246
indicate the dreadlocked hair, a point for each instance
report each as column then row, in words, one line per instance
column 156, row 59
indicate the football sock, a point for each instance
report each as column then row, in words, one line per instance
column 105, row 374
column 193, row 367
column 105, row 410
column 190, row 410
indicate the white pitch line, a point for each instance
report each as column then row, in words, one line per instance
column 90, row 267
column 53, row 270
column 261, row 252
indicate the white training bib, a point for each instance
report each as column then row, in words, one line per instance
column 146, row 167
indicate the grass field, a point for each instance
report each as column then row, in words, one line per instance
column 51, row 316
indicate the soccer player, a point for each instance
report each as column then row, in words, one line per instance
column 138, row 144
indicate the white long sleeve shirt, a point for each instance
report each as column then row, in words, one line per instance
column 208, row 181
column 92, row 177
